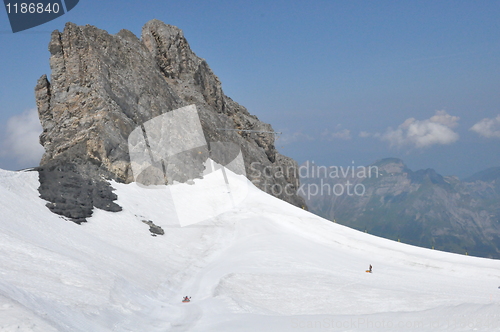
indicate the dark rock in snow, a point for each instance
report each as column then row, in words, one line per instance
column 153, row 228
column 73, row 193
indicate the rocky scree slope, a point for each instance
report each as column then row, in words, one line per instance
column 104, row 86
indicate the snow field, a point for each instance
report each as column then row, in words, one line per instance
column 262, row 265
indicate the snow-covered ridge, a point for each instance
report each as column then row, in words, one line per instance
column 264, row 265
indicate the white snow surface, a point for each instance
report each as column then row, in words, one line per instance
column 263, row 265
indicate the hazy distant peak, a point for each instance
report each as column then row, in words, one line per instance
column 490, row 174
column 390, row 165
column 427, row 175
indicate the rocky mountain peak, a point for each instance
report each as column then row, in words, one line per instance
column 104, row 86
column 391, row 165
column 170, row 49
column 428, row 175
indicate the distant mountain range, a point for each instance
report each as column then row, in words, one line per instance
column 421, row 207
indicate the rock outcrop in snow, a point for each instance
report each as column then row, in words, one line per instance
column 104, row 86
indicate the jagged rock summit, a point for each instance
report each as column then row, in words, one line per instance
column 104, row 86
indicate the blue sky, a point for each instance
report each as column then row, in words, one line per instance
column 343, row 80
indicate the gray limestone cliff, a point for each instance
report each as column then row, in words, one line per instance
column 103, row 86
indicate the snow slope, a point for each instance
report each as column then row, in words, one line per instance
column 261, row 266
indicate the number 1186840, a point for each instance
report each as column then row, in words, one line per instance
column 32, row 8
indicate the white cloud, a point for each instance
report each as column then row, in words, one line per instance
column 365, row 134
column 444, row 118
column 488, row 127
column 423, row 133
column 289, row 138
column 21, row 138
column 344, row 134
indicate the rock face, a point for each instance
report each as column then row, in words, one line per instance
column 104, row 86
column 420, row 207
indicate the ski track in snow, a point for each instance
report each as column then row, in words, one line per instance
column 262, row 266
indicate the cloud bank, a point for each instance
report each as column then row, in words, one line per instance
column 21, row 138
column 489, row 128
column 342, row 134
column 423, row 133
column 289, row 138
